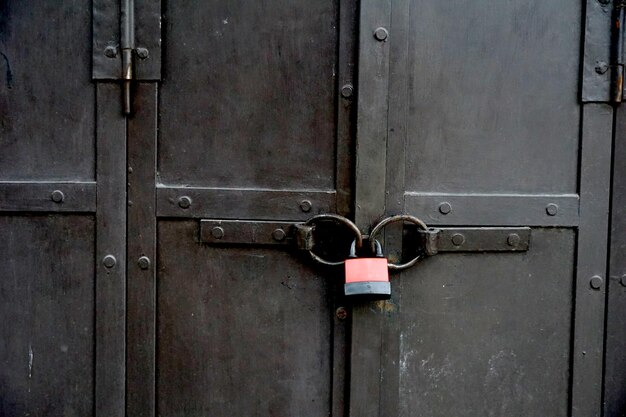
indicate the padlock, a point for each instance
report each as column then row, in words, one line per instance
column 367, row 278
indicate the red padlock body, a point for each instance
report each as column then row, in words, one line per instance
column 366, row 270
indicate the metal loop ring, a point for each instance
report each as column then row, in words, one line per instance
column 393, row 219
column 341, row 220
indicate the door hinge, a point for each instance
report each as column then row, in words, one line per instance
column 603, row 60
column 127, row 43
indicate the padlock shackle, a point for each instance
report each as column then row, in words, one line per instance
column 377, row 245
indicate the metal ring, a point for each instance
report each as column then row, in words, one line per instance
column 393, row 219
column 339, row 219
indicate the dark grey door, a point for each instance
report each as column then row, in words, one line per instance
column 475, row 110
column 147, row 259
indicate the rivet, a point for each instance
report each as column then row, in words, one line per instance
column 109, row 261
column 143, row 262
column 381, row 34
column 142, row 53
column 110, row 51
column 347, row 91
column 596, row 282
column 513, row 239
column 184, row 202
column 57, row 196
column 552, row 209
column 458, row 239
column 217, row 232
column 305, row 206
column 279, row 235
column 130, row 170
column 341, row 313
column 445, row 208
column 601, row 67
column 623, row 280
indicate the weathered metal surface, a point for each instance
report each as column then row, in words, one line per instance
column 48, row 196
column 47, row 310
column 141, row 261
column 242, row 203
column 483, row 239
column 494, row 209
column 110, row 263
column 47, row 107
column 247, row 232
column 615, row 360
column 234, row 320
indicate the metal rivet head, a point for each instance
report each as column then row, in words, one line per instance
column 552, row 209
column 143, row 262
column 109, row 261
column 596, row 282
column 623, row 281
column 341, row 313
column 305, row 206
column 513, row 239
column 184, row 202
column 57, row 196
column 142, row 53
column 381, row 34
column 217, row 232
column 110, row 51
column 445, row 208
column 458, row 239
column 347, row 91
column 279, row 235
column 601, row 67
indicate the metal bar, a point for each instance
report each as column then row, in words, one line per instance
column 494, row 209
column 141, row 266
column 224, row 232
column 106, row 57
column 483, row 239
column 370, row 180
column 228, row 203
column 596, row 72
column 595, row 181
column 110, row 255
column 72, row 197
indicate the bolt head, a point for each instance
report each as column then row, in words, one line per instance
column 306, row 206
column 445, row 208
column 596, row 282
column 279, row 235
column 142, row 53
column 109, row 261
column 217, row 232
column 513, row 239
column 381, row 34
column 110, row 51
column 623, row 280
column 143, row 262
column 601, row 67
column 341, row 313
column 347, row 91
column 552, row 209
column 57, row 196
column 184, row 202
column 458, row 239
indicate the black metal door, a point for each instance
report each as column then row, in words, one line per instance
column 148, row 208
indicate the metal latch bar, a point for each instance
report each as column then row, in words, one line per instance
column 476, row 239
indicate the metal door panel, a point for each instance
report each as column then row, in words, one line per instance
column 242, row 331
column 47, row 310
column 249, row 94
column 493, row 86
column 488, row 334
column 47, row 100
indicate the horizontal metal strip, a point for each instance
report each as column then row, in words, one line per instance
column 494, row 209
column 247, row 232
column 48, row 196
column 483, row 239
column 239, row 203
